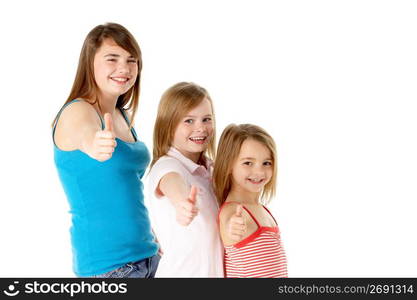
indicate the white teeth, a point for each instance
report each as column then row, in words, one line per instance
column 197, row 138
column 119, row 79
column 255, row 181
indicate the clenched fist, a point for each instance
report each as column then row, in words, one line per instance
column 104, row 141
column 186, row 210
column 237, row 225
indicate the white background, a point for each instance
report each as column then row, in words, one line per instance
column 334, row 82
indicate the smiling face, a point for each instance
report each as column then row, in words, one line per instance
column 253, row 168
column 115, row 69
column 194, row 131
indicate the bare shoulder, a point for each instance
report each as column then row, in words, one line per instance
column 74, row 120
column 78, row 108
column 227, row 211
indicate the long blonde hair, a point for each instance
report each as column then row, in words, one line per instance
column 228, row 151
column 85, row 86
column 175, row 103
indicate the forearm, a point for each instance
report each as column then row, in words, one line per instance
column 173, row 186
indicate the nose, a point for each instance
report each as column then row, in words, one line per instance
column 123, row 67
column 200, row 126
column 259, row 170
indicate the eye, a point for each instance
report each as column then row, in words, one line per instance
column 247, row 163
column 189, row 121
column 111, row 59
column 207, row 120
column 267, row 163
column 132, row 61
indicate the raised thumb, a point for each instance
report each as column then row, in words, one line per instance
column 193, row 194
column 108, row 122
column 238, row 211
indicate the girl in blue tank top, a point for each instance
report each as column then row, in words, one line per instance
column 100, row 160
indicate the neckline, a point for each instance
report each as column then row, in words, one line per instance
column 253, row 236
column 135, row 137
column 131, row 130
column 75, row 150
column 126, row 142
column 252, row 216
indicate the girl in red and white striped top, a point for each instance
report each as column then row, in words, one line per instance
column 244, row 180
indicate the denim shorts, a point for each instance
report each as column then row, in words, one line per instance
column 145, row 268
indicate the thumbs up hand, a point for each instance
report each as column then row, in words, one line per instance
column 186, row 210
column 104, row 141
column 237, row 225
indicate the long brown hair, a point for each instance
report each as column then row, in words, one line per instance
column 228, row 151
column 175, row 103
column 85, row 85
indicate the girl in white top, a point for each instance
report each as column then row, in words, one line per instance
column 183, row 206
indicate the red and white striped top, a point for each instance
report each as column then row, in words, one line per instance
column 259, row 255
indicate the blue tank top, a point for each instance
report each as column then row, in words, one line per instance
column 110, row 223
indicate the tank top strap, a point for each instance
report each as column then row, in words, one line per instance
column 62, row 109
column 270, row 214
column 247, row 210
column 252, row 216
column 128, row 123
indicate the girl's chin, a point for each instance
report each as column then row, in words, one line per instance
column 254, row 189
column 196, row 145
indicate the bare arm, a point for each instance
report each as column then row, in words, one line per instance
column 173, row 186
column 79, row 127
column 233, row 227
